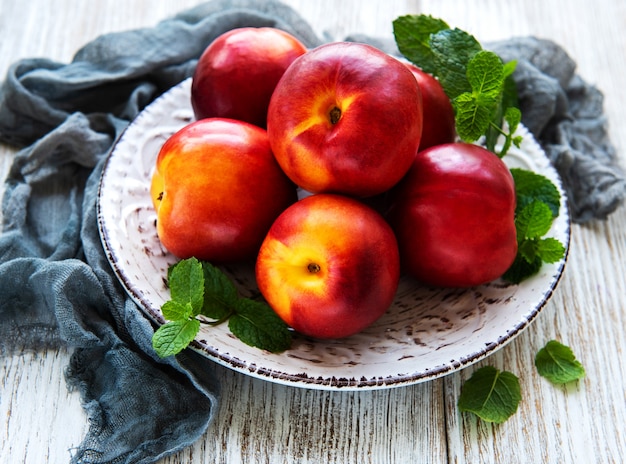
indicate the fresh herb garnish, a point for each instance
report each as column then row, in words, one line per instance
column 478, row 83
column 491, row 394
column 484, row 97
column 538, row 204
column 198, row 288
column 557, row 363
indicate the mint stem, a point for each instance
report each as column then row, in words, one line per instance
column 219, row 321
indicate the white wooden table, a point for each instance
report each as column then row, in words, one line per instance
column 261, row 422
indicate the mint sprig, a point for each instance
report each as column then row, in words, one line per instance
column 538, row 205
column 478, row 83
column 492, row 395
column 412, row 34
column 557, row 363
column 484, row 97
column 530, row 186
column 198, row 288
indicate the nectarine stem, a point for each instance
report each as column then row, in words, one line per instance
column 335, row 115
column 313, row 268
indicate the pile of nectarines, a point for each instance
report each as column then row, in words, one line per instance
column 340, row 125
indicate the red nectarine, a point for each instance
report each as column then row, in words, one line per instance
column 345, row 118
column 217, row 189
column 329, row 266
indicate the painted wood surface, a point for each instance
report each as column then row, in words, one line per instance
column 261, row 422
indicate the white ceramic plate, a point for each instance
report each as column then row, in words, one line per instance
column 427, row 333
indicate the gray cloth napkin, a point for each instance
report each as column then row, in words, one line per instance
column 566, row 115
column 56, row 286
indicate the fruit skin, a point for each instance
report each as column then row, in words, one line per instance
column 217, row 189
column 237, row 73
column 345, row 118
column 439, row 125
column 453, row 215
column 358, row 260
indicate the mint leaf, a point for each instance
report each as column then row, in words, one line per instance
column 173, row 337
column 473, row 113
column 452, row 50
column 477, row 82
column 557, row 363
column 200, row 288
column 186, row 282
column 550, row 250
column 509, row 68
column 538, row 204
column 256, row 324
column 531, row 186
column 513, row 116
column 521, row 269
column 412, row 34
column 475, row 110
column 533, row 221
column 220, row 293
column 485, row 73
column 175, row 311
column 547, row 250
column 490, row 394
column 527, row 249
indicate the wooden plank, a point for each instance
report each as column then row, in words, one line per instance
column 580, row 422
column 261, row 422
column 39, row 419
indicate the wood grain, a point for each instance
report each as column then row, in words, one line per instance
column 260, row 422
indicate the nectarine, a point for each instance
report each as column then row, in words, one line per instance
column 217, row 189
column 345, row 118
column 238, row 71
column 439, row 125
column 454, row 216
column 329, row 266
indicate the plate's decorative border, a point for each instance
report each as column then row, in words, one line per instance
column 427, row 333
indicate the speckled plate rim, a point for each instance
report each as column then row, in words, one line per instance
column 132, row 284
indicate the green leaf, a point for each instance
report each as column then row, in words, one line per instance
column 175, row 311
column 490, row 394
column 513, row 116
column 412, row 34
column 473, row 113
column 485, row 73
column 557, row 363
column 531, row 186
column 256, row 324
column 201, row 288
column 186, row 282
column 220, row 293
column 510, row 97
column 527, row 249
column 452, row 50
column 538, row 203
column 550, row 250
column 173, row 337
column 479, row 85
column 509, row 68
column 521, row 269
column 533, row 221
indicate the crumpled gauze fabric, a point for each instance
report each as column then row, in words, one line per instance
column 56, row 285
column 566, row 116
